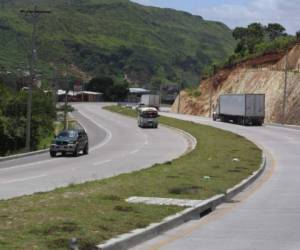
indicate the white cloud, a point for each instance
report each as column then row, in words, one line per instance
column 264, row 11
column 242, row 13
column 144, row 2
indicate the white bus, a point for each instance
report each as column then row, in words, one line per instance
column 147, row 117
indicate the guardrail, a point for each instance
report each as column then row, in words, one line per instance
column 17, row 156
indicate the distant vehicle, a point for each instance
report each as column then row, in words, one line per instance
column 150, row 101
column 243, row 109
column 147, row 117
column 70, row 141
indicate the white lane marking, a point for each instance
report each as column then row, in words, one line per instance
column 108, row 132
column 146, row 141
column 28, row 164
column 101, row 163
column 23, row 179
column 134, row 151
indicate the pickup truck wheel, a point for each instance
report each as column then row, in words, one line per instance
column 75, row 153
column 86, row 149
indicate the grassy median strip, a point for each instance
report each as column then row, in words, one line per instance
column 96, row 211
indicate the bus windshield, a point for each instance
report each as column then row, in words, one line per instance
column 149, row 114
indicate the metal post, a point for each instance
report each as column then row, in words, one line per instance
column 32, row 78
column 66, row 98
column 34, row 14
column 66, row 111
column 179, row 97
column 211, row 91
column 178, row 107
column 54, row 86
column 285, row 88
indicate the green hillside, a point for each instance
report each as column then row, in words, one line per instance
column 114, row 37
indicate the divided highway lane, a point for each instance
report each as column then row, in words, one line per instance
column 264, row 217
column 117, row 146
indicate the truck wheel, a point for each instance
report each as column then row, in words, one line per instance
column 52, row 153
column 259, row 123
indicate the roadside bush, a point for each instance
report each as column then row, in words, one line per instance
column 13, row 119
column 278, row 44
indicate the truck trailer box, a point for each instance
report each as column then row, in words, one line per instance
column 249, row 105
column 150, row 101
column 244, row 109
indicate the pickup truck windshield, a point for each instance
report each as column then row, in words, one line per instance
column 67, row 134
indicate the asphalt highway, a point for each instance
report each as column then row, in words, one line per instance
column 117, row 145
column 264, row 217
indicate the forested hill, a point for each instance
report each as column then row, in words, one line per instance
column 114, row 37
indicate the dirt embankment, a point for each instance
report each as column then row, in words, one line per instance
column 265, row 74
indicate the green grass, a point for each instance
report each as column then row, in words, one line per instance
column 96, row 211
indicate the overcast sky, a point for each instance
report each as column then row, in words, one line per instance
column 239, row 12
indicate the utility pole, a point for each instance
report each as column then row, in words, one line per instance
column 178, row 106
column 66, row 98
column 285, row 86
column 35, row 14
column 179, row 96
column 66, row 111
column 54, row 85
column 211, row 90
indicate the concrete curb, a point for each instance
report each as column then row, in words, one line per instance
column 13, row 157
column 192, row 141
column 138, row 236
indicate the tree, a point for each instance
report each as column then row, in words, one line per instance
column 240, row 33
column 13, row 118
column 102, row 84
column 113, row 90
column 119, row 92
column 248, row 37
column 275, row 30
column 255, row 35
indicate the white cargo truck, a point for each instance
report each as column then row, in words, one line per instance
column 243, row 109
column 150, row 101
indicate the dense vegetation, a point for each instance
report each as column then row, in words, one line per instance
column 256, row 40
column 13, row 119
column 147, row 45
column 112, row 90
